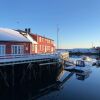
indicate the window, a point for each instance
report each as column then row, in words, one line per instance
column 17, row 49
column 2, row 50
column 52, row 42
column 40, row 47
column 33, row 48
column 45, row 40
column 40, row 39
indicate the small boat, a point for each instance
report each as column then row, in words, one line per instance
column 86, row 58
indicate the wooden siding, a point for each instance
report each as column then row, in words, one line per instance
column 9, row 44
column 45, row 45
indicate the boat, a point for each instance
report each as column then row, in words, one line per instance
column 86, row 58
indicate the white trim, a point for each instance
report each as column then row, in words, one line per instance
column 45, row 49
column 35, row 48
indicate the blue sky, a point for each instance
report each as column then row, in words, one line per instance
column 78, row 20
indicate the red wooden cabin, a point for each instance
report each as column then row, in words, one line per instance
column 13, row 43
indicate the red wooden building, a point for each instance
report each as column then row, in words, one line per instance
column 23, row 42
column 13, row 43
column 40, row 43
column 44, row 45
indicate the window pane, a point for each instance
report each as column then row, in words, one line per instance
column 2, row 50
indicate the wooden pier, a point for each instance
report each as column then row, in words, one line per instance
column 18, row 70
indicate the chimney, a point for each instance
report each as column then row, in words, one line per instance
column 26, row 30
column 29, row 30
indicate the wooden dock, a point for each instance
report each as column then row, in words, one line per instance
column 16, row 70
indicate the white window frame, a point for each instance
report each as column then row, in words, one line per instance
column 17, row 49
column 2, row 50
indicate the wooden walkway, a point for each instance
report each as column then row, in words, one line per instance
column 11, row 60
column 17, row 69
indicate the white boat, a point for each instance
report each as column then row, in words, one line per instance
column 86, row 58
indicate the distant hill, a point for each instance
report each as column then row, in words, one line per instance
column 81, row 50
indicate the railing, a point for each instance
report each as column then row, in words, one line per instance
column 12, row 56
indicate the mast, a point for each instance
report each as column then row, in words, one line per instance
column 57, row 37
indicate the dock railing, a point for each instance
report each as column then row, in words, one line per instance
column 8, row 58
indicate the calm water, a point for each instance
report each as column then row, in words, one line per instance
column 76, row 87
column 68, row 86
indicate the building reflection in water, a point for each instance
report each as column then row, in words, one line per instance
column 56, row 86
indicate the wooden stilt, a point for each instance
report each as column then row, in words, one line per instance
column 13, row 76
column 29, row 68
column 4, row 76
column 23, row 76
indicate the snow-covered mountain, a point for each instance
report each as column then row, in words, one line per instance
column 80, row 50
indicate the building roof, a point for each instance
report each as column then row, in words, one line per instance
column 43, row 36
column 28, row 36
column 11, row 35
column 35, row 34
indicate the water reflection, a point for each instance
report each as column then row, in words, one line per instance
column 84, row 76
column 66, row 78
column 57, row 86
column 80, row 72
column 32, row 89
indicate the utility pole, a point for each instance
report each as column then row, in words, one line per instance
column 92, row 44
column 57, row 37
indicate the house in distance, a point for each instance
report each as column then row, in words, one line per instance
column 19, row 42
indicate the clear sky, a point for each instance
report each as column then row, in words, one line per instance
column 78, row 20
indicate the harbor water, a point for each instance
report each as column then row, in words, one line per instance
column 78, row 87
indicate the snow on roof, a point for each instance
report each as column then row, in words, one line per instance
column 11, row 35
column 30, row 38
